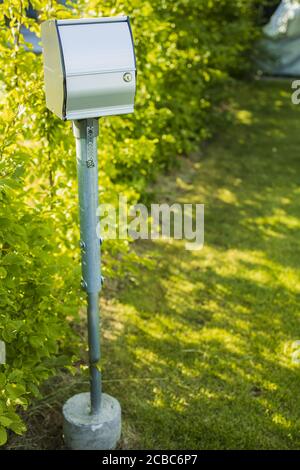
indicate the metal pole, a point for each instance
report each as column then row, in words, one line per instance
column 86, row 132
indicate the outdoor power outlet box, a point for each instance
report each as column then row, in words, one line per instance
column 89, row 67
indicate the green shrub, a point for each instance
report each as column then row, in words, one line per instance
column 187, row 50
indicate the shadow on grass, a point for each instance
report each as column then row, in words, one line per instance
column 214, row 330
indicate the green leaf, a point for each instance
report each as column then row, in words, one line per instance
column 5, row 421
column 2, row 380
column 18, row 427
column 13, row 259
column 3, row 436
column 36, row 341
column 3, row 273
column 15, row 391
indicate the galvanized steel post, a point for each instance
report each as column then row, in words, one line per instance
column 86, row 132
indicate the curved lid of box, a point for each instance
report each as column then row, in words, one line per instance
column 96, row 45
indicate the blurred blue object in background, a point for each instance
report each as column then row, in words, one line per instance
column 32, row 39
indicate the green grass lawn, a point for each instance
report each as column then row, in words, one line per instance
column 199, row 350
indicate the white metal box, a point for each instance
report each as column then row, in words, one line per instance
column 89, row 67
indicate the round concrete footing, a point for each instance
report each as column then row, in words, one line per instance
column 92, row 432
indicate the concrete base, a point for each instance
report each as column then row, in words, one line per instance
column 85, row 431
